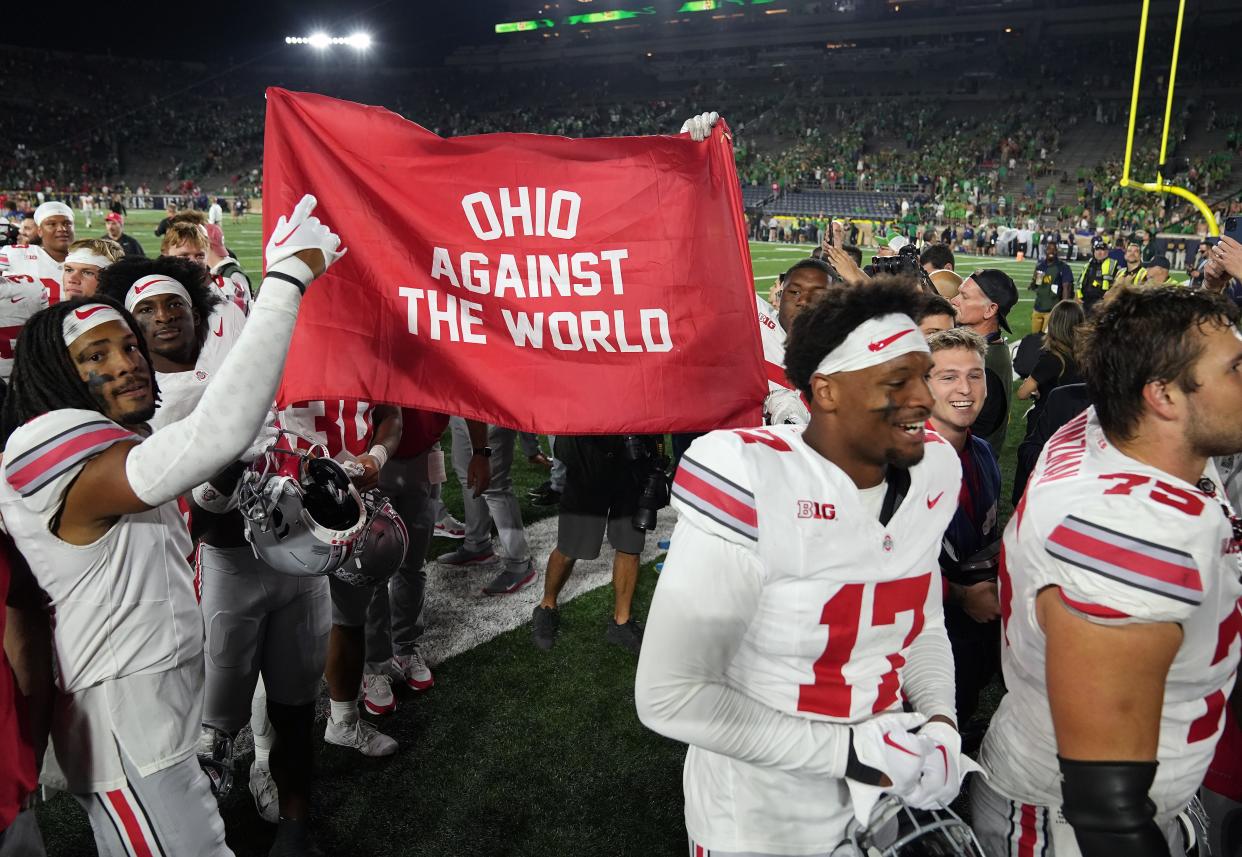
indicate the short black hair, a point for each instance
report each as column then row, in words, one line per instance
column 44, row 376
column 814, row 264
column 939, row 255
column 823, row 327
column 855, row 253
column 116, row 279
column 933, row 305
column 1159, row 320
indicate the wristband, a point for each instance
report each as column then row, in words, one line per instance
column 292, row 270
column 380, row 453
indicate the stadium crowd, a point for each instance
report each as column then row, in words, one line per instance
column 140, row 430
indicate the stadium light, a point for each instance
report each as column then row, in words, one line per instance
column 321, row 41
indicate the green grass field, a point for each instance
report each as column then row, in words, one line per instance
column 514, row 752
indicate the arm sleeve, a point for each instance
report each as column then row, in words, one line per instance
column 707, row 595
column 928, row 682
column 187, row 453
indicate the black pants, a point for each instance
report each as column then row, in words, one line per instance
column 976, row 658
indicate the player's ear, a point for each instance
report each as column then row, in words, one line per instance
column 825, row 393
column 1163, row 398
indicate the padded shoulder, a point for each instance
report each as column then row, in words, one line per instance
column 712, row 489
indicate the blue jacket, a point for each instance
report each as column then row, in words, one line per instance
column 976, row 524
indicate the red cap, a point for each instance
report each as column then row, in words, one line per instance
column 114, row 217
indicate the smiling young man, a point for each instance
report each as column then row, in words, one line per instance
column 89, row 495
column 982, row 304
column 1120, row 593
column 969, row 553
column 800, row 602
column 85, row 260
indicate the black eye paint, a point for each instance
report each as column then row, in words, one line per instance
column 95, row 383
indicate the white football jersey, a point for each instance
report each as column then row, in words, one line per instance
column 30, row 264
column 843, row 597
column 344, row 427
column 224, row 326
column 19, row 300
column 124, row 605
column 773, row 338
column 1124, row 542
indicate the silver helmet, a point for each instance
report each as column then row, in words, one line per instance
column 896, row 830
column 302, row 514
column 380, row 549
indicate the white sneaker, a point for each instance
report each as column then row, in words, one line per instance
column 361, row 736
column 449, row 527
column 377, row 693
column 414, row 670
column 266, row 797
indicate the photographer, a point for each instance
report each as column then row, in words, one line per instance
column 613, row 484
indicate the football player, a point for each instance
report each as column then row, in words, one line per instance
column 800, row 602
column 42, row 264
column 1120, row 592
column 804, row 285
column 363, row 436
column 89, row 495
column 85, row 260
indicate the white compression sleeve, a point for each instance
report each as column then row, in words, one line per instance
column 186, row 453
column 707, row 596
column 927, row 680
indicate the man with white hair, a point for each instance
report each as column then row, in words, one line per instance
column 43, row 264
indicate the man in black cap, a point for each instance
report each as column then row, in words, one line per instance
column 982, row 303
column 1158, row 272
column 1097, row 277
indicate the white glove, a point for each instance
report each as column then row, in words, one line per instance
column 700, row 127
column 886, row 744
column 943, row 769
column 785, row 408
column 300, row 232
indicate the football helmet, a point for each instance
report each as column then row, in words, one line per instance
column 215, row 757
column 380, row 548
column 302, row 514
column 896, row 830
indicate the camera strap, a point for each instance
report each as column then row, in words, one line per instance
column 898, row 480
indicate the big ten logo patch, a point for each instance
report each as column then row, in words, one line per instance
column 816, row 511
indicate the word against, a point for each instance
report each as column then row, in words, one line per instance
column 531, row 213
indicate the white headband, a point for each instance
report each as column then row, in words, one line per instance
column 82, row 256
column 86, row 317
column 50, row 209
column 152, row 285
column 873, row 342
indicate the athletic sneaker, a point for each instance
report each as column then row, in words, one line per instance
column 413, row 670
column 361, row 736
column 461, row 556
column 377, row 694
column 449, row 527
column 543, row 626
column 511, row 580
column 263, row 788
column 628, row 635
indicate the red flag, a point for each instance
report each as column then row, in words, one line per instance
column 540, row 283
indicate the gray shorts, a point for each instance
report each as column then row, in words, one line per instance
column 581, row 536
column 257, row 620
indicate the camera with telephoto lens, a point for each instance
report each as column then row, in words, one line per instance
column 905, row 262
column 10, row 233
column 646, row 455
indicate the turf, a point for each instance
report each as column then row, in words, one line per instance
column 514, row 752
